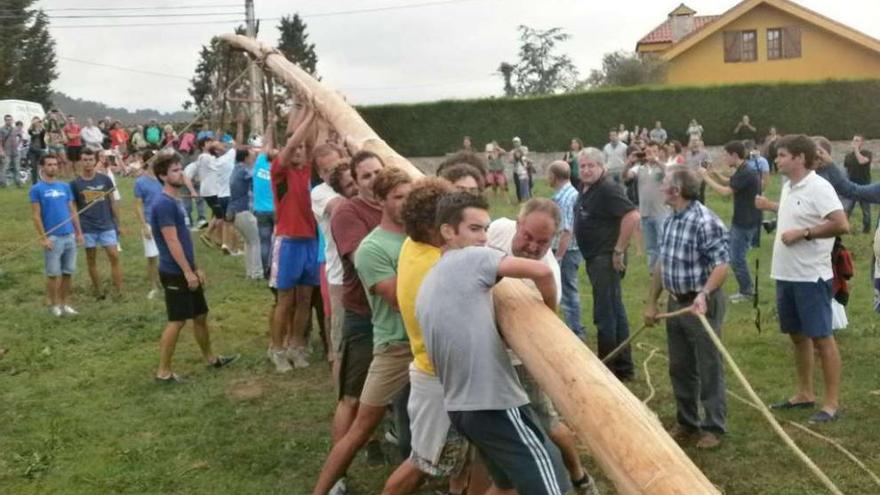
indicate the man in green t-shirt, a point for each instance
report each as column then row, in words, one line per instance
column 376, row 264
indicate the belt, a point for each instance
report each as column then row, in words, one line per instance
column 686, row 298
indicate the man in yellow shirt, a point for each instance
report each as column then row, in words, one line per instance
column 437, row 449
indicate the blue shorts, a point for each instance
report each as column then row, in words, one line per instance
column 103, row 239
column 61, row 259
column 804, row 308
column 294, row 263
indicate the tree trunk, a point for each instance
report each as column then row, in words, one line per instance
column 624, row 436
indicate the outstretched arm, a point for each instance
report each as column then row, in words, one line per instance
column 537, row 271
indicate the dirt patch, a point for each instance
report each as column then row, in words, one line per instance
column 246, row 389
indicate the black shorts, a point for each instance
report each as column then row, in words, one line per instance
column 224, row 205
column 517, row 452
column 181, row 303
column 357, row 354
column 74, row 153
column 214, row 204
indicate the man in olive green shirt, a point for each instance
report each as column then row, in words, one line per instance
column 376, row 264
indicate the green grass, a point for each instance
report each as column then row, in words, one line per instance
column 79, row 412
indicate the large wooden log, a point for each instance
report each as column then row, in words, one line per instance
column 624, row 436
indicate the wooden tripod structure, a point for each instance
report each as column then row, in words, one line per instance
column 623, row 435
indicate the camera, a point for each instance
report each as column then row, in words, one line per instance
column 769, row 225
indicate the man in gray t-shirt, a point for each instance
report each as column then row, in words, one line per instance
column 481, row 392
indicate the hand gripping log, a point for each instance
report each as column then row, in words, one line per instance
column 625, row 438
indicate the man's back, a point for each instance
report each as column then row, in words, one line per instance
column 456, row 313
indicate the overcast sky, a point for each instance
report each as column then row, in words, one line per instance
column 435, row 50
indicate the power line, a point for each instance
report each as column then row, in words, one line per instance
column 125, row 69
column 154, row 24
column 173, row 7
column 119, row 16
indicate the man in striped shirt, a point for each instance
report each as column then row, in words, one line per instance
column 567, row 253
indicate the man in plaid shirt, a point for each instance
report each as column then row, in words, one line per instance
column 694, row 257
column 566, row 250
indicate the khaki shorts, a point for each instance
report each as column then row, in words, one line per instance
column 337, row 316
column 388, row 374
column 541, row 404
column 437, row 447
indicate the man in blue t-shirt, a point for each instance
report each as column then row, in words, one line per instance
column 146, row 189
column 57, row 224
column 182, row 280
column 99, row 218
column 264, row 206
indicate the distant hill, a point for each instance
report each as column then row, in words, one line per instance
column 83, row 109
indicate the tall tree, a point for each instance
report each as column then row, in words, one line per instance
column 294, row 43
column 37, row 68
column 627, row 69
column 541, row 70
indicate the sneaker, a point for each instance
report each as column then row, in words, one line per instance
column 279, row 359
column 56, row 311
column 680, row 434
column 202, row 223
column 339, row 488
column 171, row 379
column 68, row 311
column 225, row 249
column 708, row 441
column 740, row 297
column 222, row 361
column 585, row 486
column 238, row 253
column 152, row 294
column 297, row 356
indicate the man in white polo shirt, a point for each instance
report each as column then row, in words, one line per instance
column 810, row 215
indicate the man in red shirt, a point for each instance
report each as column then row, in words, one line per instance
column 294, row 265
column 74, row 142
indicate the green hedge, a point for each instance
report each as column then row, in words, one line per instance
column 835, row 109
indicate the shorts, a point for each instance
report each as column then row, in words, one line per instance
column 517, row 452
column 61, row 259
column 804, row 308
column 294, row 263
column 181, row 303
column 224, row 205
column 356, row 354
column 73, row 153
column 496, row 178
column 106, row 238
column 388, row 374
column 56, row 149
column 213, row 203
column 543, row 408
column 437, row 447
column 150, row 248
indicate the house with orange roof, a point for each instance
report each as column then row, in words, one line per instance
column 760, row 40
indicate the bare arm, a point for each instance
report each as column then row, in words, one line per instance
column 300, row 131
column 74, row 219
column 169, row 233
column 537, row 271
column 720, row 189
column 654, row 290
column 628, row 225
column 387, row 290
column 835, row 224
column 715, row 280
column 762, row 203
column 36, row 216
column 564, row 242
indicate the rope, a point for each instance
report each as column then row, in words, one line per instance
column 633, row 336
column 648, row 377
column 27, row 243
column 766, row 412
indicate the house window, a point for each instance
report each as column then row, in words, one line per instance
column 784, row 42
column 740, row 46
column 774, row 44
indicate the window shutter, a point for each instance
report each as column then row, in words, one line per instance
column 732, row 46
column 791, row 42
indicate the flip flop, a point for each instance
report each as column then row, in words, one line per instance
column 825, row 417
column 787, row 404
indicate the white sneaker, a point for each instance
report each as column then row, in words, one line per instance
column 279, row 359
column 738, row 298
column 297, row 356
column 67, row 310
column 152, row 294
column 56, row 311
column 339, row 488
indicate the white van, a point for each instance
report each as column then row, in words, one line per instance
column 21, row 110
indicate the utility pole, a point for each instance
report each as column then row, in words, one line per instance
column 256, row 103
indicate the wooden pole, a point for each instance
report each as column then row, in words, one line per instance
column 624, row 436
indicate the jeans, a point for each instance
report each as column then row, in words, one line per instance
column 651, row 227
column 741, row 240
column 266, row 227
column 571, row 299
column 188, row 206
column 7, row 162
column 609, row 315
column 850, row 205
column 246, row 224
column 33, row 158
column 695, row 367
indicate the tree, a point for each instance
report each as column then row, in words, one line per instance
column 294, row 44
column 540, row 70
column 27, row 53
column 213, row 93
column 627, row 69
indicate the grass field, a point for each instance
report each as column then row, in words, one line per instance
column 80, row 414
